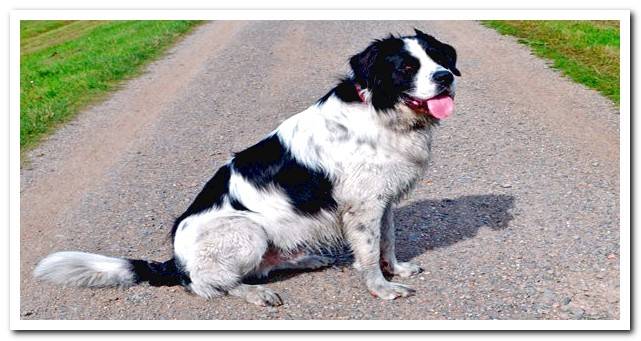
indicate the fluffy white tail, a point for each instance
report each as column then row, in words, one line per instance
column 85, row 270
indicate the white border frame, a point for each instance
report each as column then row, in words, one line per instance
column 14, row 174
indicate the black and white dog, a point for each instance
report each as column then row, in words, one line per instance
column 329, row 174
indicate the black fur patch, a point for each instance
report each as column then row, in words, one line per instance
column 345, row 91
column 270, row 163
column 212, row 195
column 237, row 205
column 168, row 273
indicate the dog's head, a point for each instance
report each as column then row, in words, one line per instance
column 412, row 71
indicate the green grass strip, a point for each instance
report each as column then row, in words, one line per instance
column 66, row 65
column 585, row 51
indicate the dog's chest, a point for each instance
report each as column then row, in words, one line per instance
column 389, row 165
column 363, row 157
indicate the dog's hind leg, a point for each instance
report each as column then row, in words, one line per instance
column 226, row 250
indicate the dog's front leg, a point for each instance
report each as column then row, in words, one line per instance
column 389, row 264
column 363, row 232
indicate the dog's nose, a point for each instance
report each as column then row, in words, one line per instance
column 443, row 77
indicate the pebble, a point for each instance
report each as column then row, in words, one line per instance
column 578, row 313
column 548, row 295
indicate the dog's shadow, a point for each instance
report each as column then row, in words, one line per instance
column 425, row 225
column 429, row 224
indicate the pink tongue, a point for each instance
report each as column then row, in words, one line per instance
column 441, row 106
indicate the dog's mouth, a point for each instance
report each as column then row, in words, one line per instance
column 440, row 106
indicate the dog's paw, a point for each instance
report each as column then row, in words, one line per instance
column 402, row 269
column 263, row 296
column 390, row 290
column 406, row 269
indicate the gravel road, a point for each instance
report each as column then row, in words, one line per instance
column 517, row 218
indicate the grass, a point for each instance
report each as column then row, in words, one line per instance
column 67, row 65
column 585, row 51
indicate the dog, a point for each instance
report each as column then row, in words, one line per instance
column 328, row 175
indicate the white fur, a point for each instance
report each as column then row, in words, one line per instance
column 84, row 269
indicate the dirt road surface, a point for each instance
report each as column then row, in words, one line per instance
column 517, row 218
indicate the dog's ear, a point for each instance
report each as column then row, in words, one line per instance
column 450, row 54
column 363, row 62
column 433, row 44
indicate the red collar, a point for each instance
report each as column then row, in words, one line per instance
column 359, row 91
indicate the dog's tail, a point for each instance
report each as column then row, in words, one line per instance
column 83, row 269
